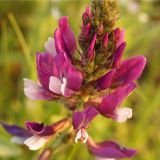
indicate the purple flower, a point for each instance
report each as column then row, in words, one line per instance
column 110, row 103
column 36, row 134
column 106, row 149
column 109, row 149
column 81, row 121
column 124, row 73
column 57, row 76
column 128, row 71
column 64, row 38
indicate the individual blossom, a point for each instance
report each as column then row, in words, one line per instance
column 106, row 149
column 126, row 72
column 129, row 70
column 64, row 38
column 109, row 106
column 56, row 73
column 35, row 135
column 109, row 149
column 81, row 121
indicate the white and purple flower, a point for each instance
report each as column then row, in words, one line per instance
column 35, row 135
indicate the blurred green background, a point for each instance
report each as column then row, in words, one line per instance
column 26, row 25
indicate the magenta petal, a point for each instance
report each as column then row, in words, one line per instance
column 110, row 149
column 110, row 102
column 39, row 129
column 61, row 63
column 67, row 34
column 45, row 68
column 105, row 81
column 16, row 130
column 91, row 47
column 118, row 54
column 129, row 70
column 59, row 42
column 83, row 118
column 119, row 36
column 74, row 78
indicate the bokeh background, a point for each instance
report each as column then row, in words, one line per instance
column 26, row 25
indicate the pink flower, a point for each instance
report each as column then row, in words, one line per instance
column 109, row 106
column 109, row 149
column 35, row 135
column 56, row 73
column 57, row 76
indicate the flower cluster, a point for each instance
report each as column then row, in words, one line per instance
column 91, row 81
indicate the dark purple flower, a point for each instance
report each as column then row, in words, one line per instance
column 81, row 121
column 109, row 105
column 109, row 149
column 36, row 134
column 128, row 71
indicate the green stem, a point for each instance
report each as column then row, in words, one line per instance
column 74, row 150
column 21, row 39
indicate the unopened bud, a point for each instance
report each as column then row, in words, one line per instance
column 61, row 125
column 105, row 40
column 100, row 29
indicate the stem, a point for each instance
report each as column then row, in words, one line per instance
column 72, row 153
column 21, row 39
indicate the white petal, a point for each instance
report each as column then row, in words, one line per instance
column 55, row 85
column 33, row 90
column 18, row 140
column 123, row 114
column 78, row 136
column 81, row 134
column 30, row 83
column 35, row 142
column 50, row 46
column 85, row 135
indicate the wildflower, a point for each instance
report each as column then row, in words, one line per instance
column 106, row 149
column 35, row 135
column 126, row 72
column 98, row 81
column 109, row 149
column 81, row 121
column 64, row 38
column 57, row 76
column 109, row 104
